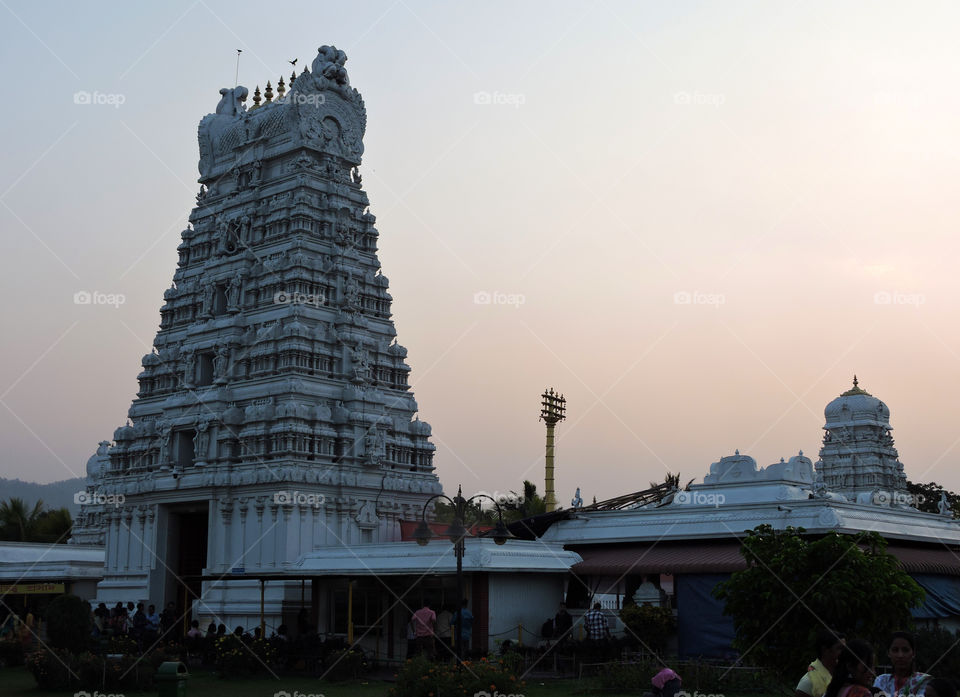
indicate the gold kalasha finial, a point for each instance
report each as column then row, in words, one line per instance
column 293, row 76
column 268, row 93
column 256, row 97
column 281, row 88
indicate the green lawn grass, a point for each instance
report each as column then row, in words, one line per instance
column 17, row 682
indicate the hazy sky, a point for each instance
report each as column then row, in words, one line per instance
column 697, row 220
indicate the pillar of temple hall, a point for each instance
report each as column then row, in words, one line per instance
column 274, row 413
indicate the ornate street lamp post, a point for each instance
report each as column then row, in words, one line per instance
column 456, row 532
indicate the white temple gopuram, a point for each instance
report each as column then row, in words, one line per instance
column 274, row 413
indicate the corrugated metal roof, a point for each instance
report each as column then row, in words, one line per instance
column 927, row 560
column 660, row 558
column 723, row 556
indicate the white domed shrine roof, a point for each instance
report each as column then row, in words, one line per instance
column 856, row 405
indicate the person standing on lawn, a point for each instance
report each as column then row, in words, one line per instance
column 596, row 624
column 425, row 623
column 463, row 618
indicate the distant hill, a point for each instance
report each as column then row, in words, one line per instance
column 53, row 495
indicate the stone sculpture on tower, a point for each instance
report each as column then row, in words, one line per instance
column 274, row 413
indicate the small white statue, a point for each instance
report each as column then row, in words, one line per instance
column 577, row 501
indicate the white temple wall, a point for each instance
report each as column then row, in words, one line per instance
column 522, row 599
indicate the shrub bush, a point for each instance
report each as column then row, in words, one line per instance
column 51, row 669
column 940, row 645
column 421, row 677
column 650, row 625
column 11, row 653
column 59, row 669
column 69, row 624
column 626, row 677
column 234, row 657
column 344, row 664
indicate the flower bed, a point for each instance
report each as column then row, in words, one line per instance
column 421, row 677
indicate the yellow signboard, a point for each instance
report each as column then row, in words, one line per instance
column 30, row 588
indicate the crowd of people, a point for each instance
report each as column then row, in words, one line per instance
column 848, row 669
column 19, row 627
column 142, row 624
column 435, row 633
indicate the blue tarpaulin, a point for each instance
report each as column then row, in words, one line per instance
column 702, row 628
column 943, row 596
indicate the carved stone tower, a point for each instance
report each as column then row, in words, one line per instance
column 274, row 414
column 858, row 456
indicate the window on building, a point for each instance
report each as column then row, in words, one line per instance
column 205, row 369
column 183, row 448
column 220, row 299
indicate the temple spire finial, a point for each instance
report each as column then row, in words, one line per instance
column 855, row 383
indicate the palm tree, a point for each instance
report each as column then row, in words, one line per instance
column 17, row 523
column 671, row 480
column 54, row 525
column 530, row 504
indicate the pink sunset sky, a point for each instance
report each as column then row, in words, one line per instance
column 696, row 220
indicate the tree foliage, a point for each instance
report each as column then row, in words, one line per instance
column 926, row 497
column 651, row 625
column 794, row 586
column 515, row 506
column 20, row 523
column 69, row 623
